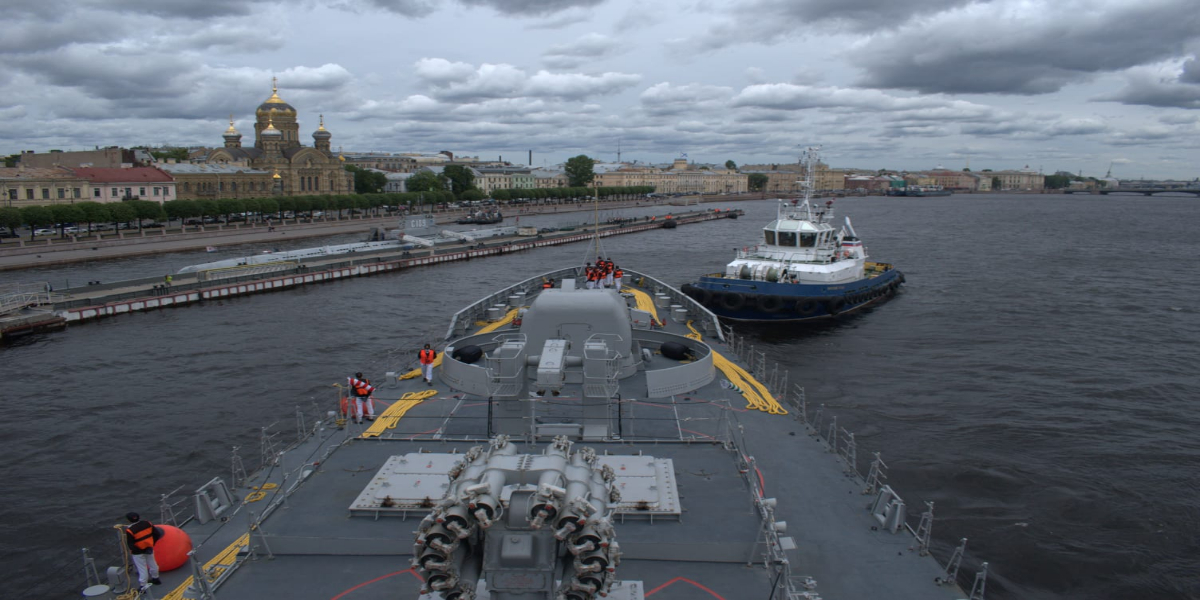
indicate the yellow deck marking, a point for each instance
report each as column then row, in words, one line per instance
column 512, row 314
column 644, row 302
column 215, row 567
column 396, row 411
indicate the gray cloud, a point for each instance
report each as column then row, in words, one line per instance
column 461, row 83
column 407, row 8
column 180, row 9
column 1032, row 49
column 1150, row 88
column 1191, row 71
column 533, row 8
column 590, row 47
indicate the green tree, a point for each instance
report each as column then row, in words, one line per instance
column 11, row 160
column 471, row 195
column 36, row 216
column 181, row 209
column 10, row 218
column 424, row 181
column 230, row 206
column 732, row 166
column 179, row 154
column 65, row 213
column 146, row 209
column 122, row 212
column 94, row 212
column 461, row 179
column 757, row 182
column 996, row 183
column 579, row 171
column 367, row 181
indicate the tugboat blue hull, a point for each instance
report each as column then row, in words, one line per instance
column 749, row 300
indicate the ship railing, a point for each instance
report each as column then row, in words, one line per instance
column 887, row 508
column 16, row 296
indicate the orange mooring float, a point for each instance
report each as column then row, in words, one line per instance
column 171, row 551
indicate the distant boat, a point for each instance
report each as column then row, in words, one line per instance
column 927, row 190
column 210, row 248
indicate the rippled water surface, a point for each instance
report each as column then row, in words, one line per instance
column 1036, row 380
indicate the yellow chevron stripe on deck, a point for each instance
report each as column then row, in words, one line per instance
column 214, row 567
column 756, row 394
column 395, row 412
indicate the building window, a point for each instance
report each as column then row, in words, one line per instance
column 12, row 194
column 234, row 186
column 45, row 193
column 29, row 193
column 115, row 193
column 62, row 193
column 187, row 186
column 141, row 192
column 95, row 192
column 317, row 182
column 77, row 192
column 157, row 190
column 128, row 192
column 222, row 184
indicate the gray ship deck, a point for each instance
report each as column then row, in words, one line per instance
column 310, row 543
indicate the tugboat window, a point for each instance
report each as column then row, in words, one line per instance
column 770, row 236
column 787, row 238
column 808, row 240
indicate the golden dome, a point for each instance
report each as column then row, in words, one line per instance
column 321, row 133
column 275, row 103
column 270, row 130
column 232, row 132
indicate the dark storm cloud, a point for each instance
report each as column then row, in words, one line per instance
column 532, row 8
column 1025, row 51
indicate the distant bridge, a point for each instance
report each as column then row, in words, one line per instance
column 1141, row 191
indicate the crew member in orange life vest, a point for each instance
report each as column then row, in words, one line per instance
column 426, row 356
column 617, row 275
column 547, row 284
column 140, row 537
column 587, row 276
column 608, row 272
column 361, row 390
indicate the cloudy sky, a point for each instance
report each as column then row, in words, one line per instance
column 900, row 84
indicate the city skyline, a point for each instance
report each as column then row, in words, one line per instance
column 907, row 85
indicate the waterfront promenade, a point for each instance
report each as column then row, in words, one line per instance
column 22, row 255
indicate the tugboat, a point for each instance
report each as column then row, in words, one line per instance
column 805, row 269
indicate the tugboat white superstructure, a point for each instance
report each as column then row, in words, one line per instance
column 805, row 268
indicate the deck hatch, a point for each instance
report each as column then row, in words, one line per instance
column 414, row 481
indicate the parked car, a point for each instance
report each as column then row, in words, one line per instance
column 70, row 230
column 44, row 231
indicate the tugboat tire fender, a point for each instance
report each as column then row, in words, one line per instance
column 731, row 300
column 770, row 304
column 835, row 305
column 806, row 307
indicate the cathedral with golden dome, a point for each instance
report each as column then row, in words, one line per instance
column 294, row 169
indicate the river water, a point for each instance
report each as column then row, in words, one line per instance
column 1036, row 380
